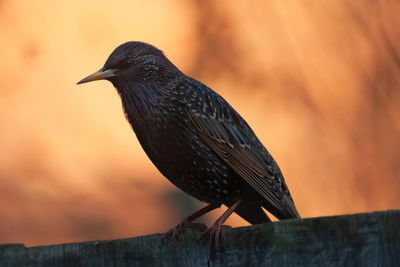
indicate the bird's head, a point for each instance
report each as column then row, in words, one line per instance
column 134, row 63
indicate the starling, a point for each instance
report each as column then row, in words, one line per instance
column 196, row 139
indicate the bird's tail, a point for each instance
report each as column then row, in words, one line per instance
column 252, row 213
column 290, row 212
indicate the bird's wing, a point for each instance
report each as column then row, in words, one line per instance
column 232, row 139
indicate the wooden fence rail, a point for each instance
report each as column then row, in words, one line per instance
column 371, row 239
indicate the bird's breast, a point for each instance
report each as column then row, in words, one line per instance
column 182, row 157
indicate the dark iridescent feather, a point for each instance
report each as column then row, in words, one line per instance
column 194, row 137
column 232, row 139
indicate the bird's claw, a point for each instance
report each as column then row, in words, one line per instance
column 180, row 228
column 214, row 234
column 207, row 232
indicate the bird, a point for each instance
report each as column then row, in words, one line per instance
column 196, row 139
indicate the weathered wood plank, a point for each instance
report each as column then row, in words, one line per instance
column 371, row 239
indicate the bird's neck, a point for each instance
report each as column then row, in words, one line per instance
column 144, row 103
column 141, row 100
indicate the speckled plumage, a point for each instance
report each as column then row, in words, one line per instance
column 194, row 137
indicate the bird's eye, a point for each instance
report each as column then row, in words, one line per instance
column 123, row 64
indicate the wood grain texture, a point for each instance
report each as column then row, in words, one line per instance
column 371, row 239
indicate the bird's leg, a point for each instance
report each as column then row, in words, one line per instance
column 187, row 222
column 215, row 230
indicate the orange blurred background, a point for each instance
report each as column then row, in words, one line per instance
column 318, row 81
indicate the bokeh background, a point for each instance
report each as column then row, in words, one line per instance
column 317, row 80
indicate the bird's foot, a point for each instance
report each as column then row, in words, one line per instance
column 185, row 224
column 215, row 231
column 214, row 234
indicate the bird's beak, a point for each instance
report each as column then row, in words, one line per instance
column 99, row 75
